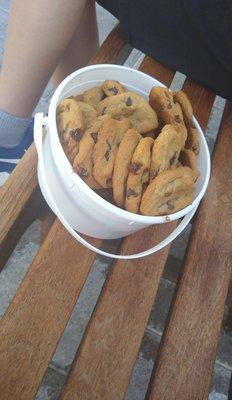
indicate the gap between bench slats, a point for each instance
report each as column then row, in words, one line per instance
column 33, row 323
column 188, row 350
column 20, row 199
column 106, row 356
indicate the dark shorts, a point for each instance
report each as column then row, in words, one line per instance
column 191, row 36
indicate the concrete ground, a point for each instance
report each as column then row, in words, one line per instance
column 26, row 249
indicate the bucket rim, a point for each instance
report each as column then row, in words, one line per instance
column 81, row 185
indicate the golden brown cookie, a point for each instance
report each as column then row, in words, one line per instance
column 188, row 159
column 122, row 126
column 93, row 96
column 169, row 192
column 134, row 107
column 182, row 98
column 169, row 112
column 70, row 123
column 138, row 174
column 83, row 162
column 166, row 150
column 161, row 100
column 89, row 113
column 71, row 149
column 178, row 122
column 193, row 141
column 104, row 152
column 111, row 88
column 78, row 97
column 122, row 164
column 70, row 119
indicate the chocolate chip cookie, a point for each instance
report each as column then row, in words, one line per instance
column 166, row 150
column 83, row 162
column 111, row 88
column 193, row 141
column 169, row 192
column 93, row 96
column 104, row 152
column 134, row 107
column 138, row 174
column 122, row 164
column 182, row 98
column 88, row 112
column 70, row 123
column 169, row 112
column 188, row 159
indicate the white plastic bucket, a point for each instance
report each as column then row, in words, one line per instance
column 77, row 206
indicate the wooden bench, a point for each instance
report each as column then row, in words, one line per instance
column 40, row 310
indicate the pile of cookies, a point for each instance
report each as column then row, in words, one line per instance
column 137, row 154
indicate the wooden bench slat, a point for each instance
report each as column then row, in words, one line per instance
column 113, row 50
column 188, row 351
column 41, row 308
column 17, row 208
column 103, row 364
column 19, row 197
column 104, row 361
column 157, row 70
column 33, row 323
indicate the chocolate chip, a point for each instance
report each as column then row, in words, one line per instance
column 131, row 192
column 109, row 181
column 177, row 119
column 113, row 90
column 107, row 155
column 76, row 134
column 170, row 205
column 128, row 102
column 173, row 159
column 104, row 110
column 94, row 136
column 191, row 124
column 155, row 173
column 103, row 96
column 169, row 105
column 108, row 144
column 83, row 173
column 134, row 167
column 144, row 185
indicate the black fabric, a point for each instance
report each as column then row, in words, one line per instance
column 191, row 36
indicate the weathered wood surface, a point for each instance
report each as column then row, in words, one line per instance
column 189, row 347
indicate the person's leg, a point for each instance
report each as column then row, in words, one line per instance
column 83, row 45
column 38, row 34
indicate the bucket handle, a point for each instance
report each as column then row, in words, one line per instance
column 39, row 122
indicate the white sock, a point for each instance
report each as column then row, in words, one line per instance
column 12, row 129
